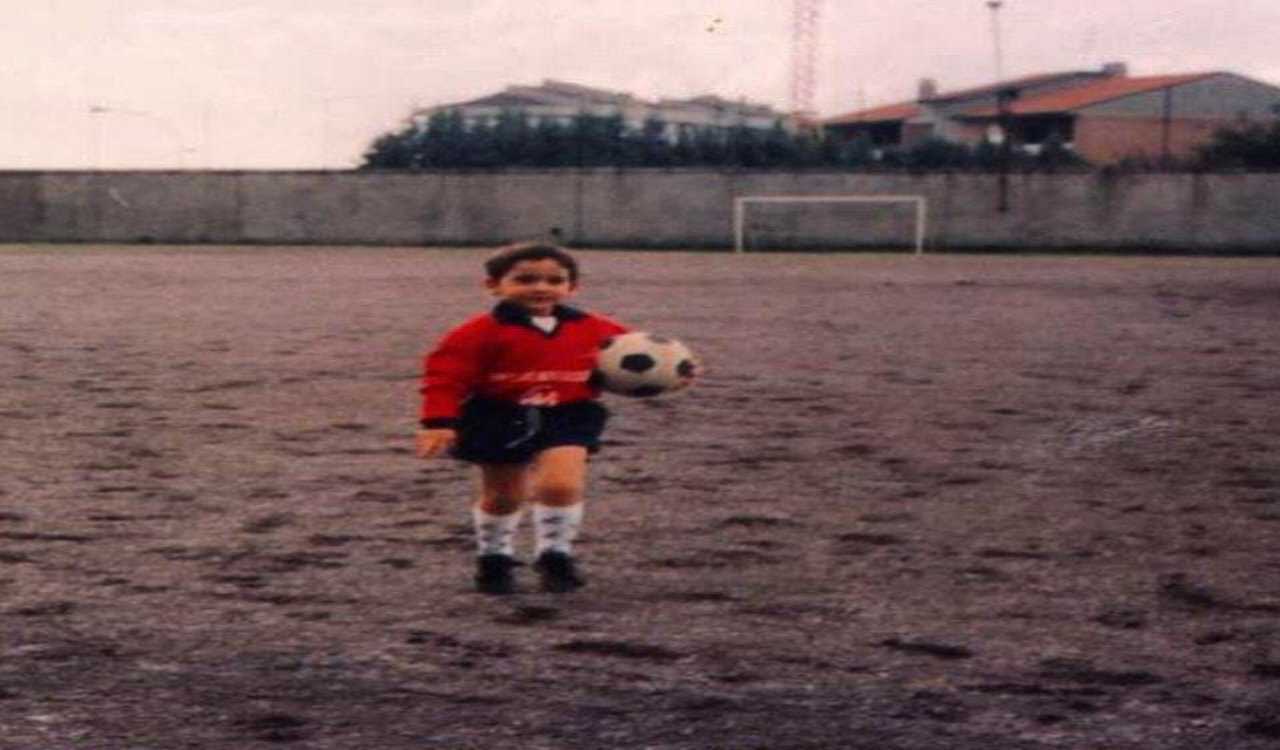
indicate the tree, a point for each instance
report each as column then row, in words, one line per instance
column 859, row 152
column 447, row 141
column 710, row 148
column 808, row 149
column 390, row 151
column 684, row 152
column 597, row 141
column 1054, row 153
column 779, row 146
column 444, row 142
column 653, row 147
column 1248, row 145
column 829, row 150
column 936, row 153
column 743, row 148
column 512, row 138
column 550, row 145
column 986, row 155
column 481, row 149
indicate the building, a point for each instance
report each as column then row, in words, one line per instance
column 561, row 102
column 1104, row 116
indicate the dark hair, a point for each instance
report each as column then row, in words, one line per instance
column 507, row 256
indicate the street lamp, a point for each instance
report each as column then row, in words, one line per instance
column 1004, row 118
column 1000, row 134
column 95, row 146
column 995, row 6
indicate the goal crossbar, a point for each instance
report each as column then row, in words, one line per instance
column 740, row 204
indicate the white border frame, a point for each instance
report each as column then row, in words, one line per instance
column 740, row 211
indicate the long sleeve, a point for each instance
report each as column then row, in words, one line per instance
column 450, row 373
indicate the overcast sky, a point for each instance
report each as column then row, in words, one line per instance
column 309, row 83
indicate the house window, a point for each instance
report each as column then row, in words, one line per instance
column 885, row 134
column 1038, row 130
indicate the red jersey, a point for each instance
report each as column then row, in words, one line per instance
column 503, row 355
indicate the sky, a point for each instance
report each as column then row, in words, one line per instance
column 309, row 84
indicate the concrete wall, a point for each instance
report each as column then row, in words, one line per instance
column 638, row 208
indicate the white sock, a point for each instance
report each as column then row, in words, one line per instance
column 556, row 528
column 495, row 535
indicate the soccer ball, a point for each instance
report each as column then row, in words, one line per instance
column 641, row 364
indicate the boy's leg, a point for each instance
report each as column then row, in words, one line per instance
column 556, row 489
column 503, row 488
column 497, row 512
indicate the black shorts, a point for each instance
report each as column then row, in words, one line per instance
column 499, row 432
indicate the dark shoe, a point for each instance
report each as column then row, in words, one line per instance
column 493, row 574
column 559, row 572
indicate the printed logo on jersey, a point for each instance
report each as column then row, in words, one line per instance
column 540, row 396
column 541, row 376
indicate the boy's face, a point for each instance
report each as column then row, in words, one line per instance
column 536, row 285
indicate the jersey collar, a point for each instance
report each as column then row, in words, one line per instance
column 510, row 312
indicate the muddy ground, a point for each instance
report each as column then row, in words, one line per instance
column 942, row 502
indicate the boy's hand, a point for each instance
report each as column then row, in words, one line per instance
column 432, row 443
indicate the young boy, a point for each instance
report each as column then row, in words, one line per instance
column 511, row 392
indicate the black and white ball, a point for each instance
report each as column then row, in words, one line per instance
column 641, row 364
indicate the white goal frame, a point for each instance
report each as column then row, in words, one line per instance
column 741, row 203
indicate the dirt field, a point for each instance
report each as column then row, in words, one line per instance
column 942, row 502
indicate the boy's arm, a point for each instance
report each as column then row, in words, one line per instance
column 450, row 372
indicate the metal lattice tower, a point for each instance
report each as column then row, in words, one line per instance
column 804, row 56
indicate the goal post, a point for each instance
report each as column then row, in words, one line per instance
column 742, row 204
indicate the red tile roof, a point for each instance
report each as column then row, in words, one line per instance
column 907, row 110
column 887, row 113
column 1089, row 90
column 1038, row 79
column 1087, row 94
